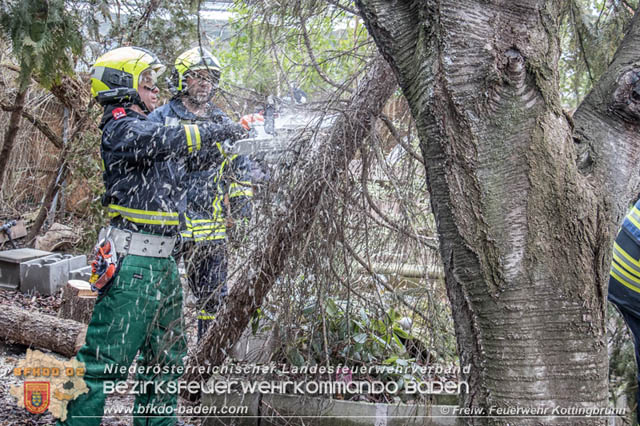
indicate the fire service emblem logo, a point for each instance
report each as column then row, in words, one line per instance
column 36, row 396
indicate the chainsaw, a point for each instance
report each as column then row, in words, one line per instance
column 104, row 265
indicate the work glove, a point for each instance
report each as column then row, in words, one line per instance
column 210, row 133
column 251, row 120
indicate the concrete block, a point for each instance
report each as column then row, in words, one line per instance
column 83, row 273
column 77, row 261
column 10, row 261
column 47, row 274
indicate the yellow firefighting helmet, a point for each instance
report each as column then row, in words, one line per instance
column 192, row 60
column 115, row 75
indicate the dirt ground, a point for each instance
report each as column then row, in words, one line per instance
column 11, row 354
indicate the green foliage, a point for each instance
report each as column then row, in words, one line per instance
column 364, row 337
column 42, row 35
column 165, row 27
column 275, row 48
column 590, row 33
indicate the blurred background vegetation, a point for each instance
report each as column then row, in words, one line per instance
column 368, row 288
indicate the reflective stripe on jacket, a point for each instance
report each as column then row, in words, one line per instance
column 208, row 177
column 141, row 187
column 624, row 267
column 144, row 190
column 624, row 280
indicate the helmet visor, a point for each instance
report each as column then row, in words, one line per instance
column 148, row 79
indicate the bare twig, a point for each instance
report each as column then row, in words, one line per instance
column 577, row 22
column 39, row 124
column 390, row 289
column 394, row 132
column 314, row 62
column 343, row 7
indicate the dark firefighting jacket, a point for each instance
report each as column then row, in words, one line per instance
column 209, row 176
column 144, row 191
column 624, row 291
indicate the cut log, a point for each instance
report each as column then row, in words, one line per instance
column 34, row 329
column 77, row 301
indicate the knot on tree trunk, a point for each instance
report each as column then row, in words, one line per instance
column 511, row 82
column 512, row 65
column 626, row 97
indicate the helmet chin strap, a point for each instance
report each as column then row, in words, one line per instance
column 138, row 101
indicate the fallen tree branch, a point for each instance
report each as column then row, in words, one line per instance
column 286, row 236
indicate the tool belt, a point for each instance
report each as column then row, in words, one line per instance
column 147, row 245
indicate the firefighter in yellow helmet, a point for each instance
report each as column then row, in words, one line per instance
column 209, row 178
column 139, row 307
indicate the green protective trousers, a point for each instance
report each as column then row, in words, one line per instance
column 141, row 311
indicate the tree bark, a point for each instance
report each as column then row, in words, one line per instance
column 526, row 214
column 43, row 331
column 287, row 234
column 12, row 131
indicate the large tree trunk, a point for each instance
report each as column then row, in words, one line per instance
column 289, row 232
column 525, row 230
column 42, row 331
column 12, row 131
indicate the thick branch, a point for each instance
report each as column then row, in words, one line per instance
column 607, row 127
column 400, row 23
